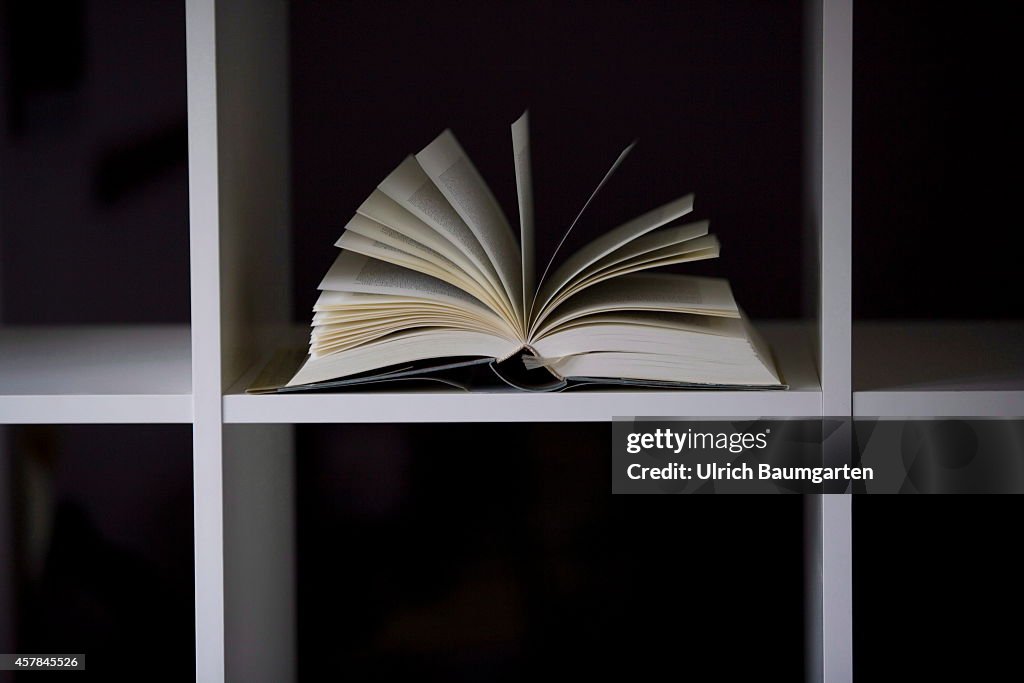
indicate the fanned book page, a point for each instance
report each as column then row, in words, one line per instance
column 431, row 288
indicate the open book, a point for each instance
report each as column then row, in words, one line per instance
column 431, row 284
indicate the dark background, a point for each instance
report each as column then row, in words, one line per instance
column 710, row 89
column 936, row 161
column 93, row 172
column 93, row 228
column 936, row 587
column 93, row 184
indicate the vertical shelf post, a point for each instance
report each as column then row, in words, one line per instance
column 204, row 246
column 239, row 214
column 837, row 329
column 830, row 171
column 836, row 211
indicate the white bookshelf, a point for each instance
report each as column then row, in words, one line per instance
column 241, row 262
column 239, row 195
column 240, row 274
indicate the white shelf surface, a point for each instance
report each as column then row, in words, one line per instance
column 945, row 369
column 101, row 374
column 791, row 342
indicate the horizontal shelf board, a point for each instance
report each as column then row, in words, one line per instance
column 898, row 404
column 938, row 369
column 790, row 341
column 95, row 374
column 578, row 407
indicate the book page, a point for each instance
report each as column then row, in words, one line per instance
column 607, row 243
column 454, row 174
column 671, row 255
column 352, row 272
column 336, row 339
column 650, row 251
column 703, row 324
column 700, row 248
column 330, row 301
column 411, row 188
column 459, row 246
column 646, row 263
column 338, row 315
column 524, row 191
column 371, row 229
column 331, row 329
column 649, row 243
column 369, row 238
column 360, row 244
column 629, row 338
column 707, row 244
column 356, row 307
column 748, row 371
column 647, row 292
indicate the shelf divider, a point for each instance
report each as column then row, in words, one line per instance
column 830, row 164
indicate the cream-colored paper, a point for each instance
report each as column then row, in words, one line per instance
column 455, row 176
column 524, row 194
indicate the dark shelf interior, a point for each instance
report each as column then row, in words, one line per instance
column 93, row 163
column 936, row 139
column 497, row 552
column 712, row 90
column 936, row 585
column 99, row 519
